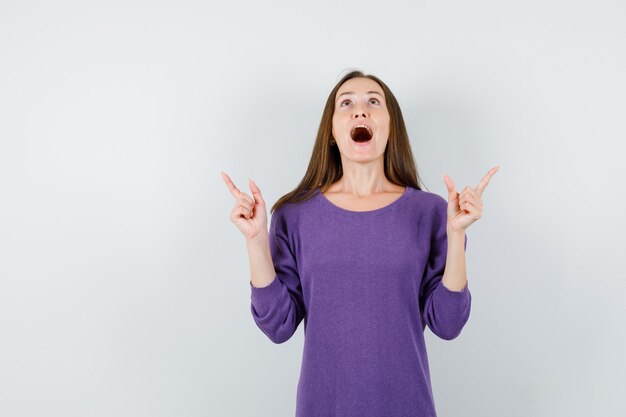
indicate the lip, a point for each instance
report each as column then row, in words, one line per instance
column 369, row 127
column 361, row 123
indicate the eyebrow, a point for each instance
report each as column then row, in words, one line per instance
column 352, row 92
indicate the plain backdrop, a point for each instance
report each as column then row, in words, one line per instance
column 124, row 286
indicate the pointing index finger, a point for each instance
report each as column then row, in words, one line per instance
column 485, row 180
column 231, row 186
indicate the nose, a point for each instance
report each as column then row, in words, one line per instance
column 359, row 111
column 359, row 114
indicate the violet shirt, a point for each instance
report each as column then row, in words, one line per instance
column 366, row 284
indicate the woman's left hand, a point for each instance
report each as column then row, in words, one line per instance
column 467, row 207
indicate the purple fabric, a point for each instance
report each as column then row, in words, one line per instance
column 366, row 285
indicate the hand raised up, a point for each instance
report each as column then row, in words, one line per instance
column 249, row 214
column 467, row 207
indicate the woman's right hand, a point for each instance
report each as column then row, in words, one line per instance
column 248, row 214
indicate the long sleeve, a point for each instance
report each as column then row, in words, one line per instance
column 278, row 308
column 443, row 310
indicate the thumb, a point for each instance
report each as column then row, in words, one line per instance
column 453, row 196
column 449, row 186
column 256, row 193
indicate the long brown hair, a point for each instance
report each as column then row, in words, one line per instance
column 325, row 164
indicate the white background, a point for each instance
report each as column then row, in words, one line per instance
column 124, row 287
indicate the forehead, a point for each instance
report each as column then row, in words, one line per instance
column 360, row 86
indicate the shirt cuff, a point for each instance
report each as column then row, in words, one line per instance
column 260, row 296
column 448, row 290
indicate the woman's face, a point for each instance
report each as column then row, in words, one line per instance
column 361, row 120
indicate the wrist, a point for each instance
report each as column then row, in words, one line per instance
column 260, row 239
column 452, row 233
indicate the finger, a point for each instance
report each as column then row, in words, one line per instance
column 246, row 212
column 256, row 193
column 476, row 201
column 471, row 191
column 468, row 206
column 243, row 210
column 452, row 193
column 483, row 183
column 245, row 197
column 237, row 214
column 473, row 211
column 246, row 205
column 231, row 186
column 466, row 193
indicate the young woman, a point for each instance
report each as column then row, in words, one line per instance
column 365, row 257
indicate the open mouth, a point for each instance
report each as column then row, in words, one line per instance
column 361, row 133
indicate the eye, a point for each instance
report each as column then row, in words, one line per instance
column 345, row 101
column 375, row 100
